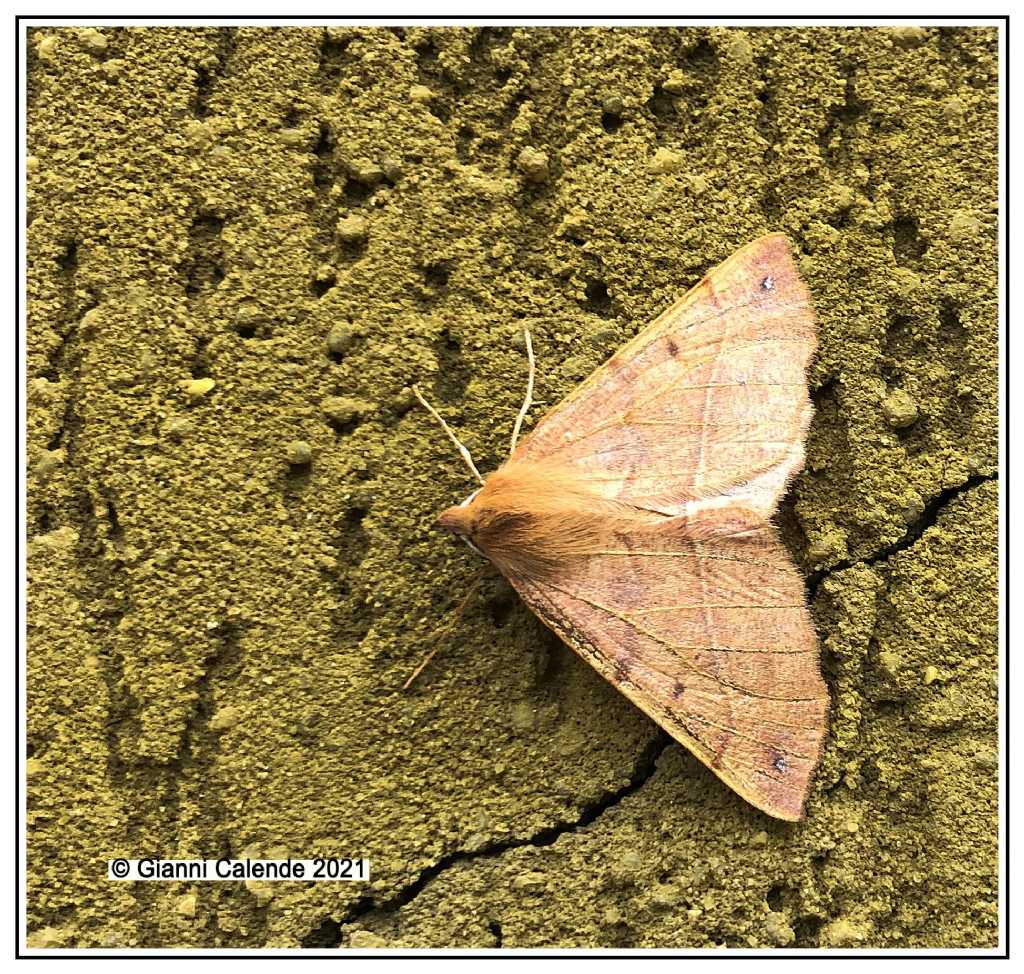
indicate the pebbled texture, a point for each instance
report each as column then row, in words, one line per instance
column 317, row 219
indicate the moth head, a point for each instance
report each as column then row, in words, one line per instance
column 460, row 520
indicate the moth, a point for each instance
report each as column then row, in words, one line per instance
column 636, row 521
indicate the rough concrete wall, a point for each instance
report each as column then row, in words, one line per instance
column 314, row 220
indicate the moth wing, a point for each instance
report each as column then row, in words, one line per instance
column 708, row 632
column 709, row 400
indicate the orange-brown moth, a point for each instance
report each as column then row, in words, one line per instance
column 635, row 520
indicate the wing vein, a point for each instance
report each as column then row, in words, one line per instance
column 658, row 639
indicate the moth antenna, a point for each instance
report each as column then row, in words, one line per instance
column 528, row 400
column 448, row 627
column 464, row 453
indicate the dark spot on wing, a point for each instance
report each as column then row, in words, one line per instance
column 779, row 763
column 673, row 348
column 622, row 669
column 625, row 539
column 677, row 691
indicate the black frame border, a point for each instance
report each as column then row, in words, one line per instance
column 535, row 953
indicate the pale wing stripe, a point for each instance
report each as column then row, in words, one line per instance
column 713, row 489
column 702, row 452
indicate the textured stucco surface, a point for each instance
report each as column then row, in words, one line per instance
column 315, row 220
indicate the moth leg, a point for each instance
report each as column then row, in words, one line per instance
column 528, row 399
column 448, row 627
column 463, row 452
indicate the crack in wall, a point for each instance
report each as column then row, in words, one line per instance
column 928, row 518
column 330, row 933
